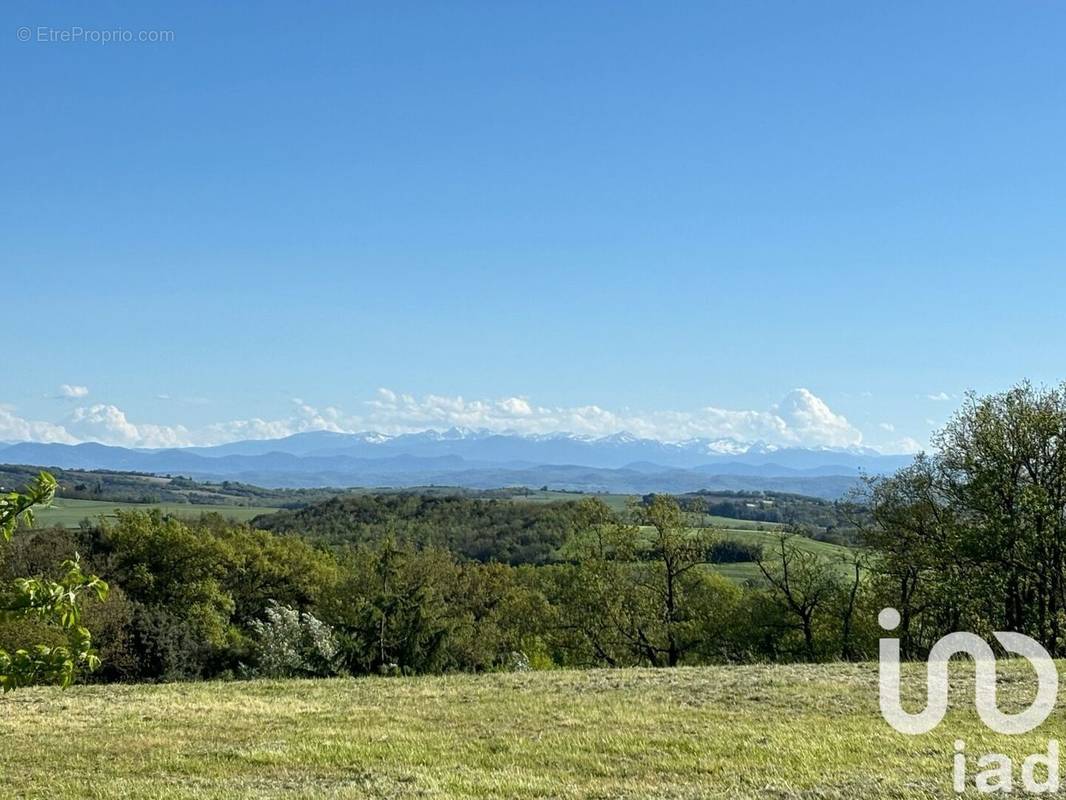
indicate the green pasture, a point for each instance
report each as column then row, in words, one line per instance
column 68, row 513
column 801, row 732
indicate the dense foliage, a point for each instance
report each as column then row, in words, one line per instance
column 135, row 487
column 209, row 598
column 765, row 507
column 39, row 607
column 974, row 536
column 473, row 528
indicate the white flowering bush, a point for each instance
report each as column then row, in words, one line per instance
column 290, row 644
column 517, row 661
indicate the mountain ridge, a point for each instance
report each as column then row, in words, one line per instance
column 483, row 459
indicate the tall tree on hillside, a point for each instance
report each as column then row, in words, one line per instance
column 49, row 601
column 974, row 536
column 1002, row 465
column 390, row 610
column 918, row 564
column 803, row 583
column 676, row 551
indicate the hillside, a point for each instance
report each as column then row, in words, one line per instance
column 786, row 732
column 141, row 487
column 479, row 529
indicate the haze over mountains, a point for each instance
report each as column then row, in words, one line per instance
column 482, row 459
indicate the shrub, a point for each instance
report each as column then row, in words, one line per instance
column 293, row 644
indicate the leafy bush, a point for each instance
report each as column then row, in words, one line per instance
column 291, row 644
column 52, row 603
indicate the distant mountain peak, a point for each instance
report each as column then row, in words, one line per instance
column 484, row 459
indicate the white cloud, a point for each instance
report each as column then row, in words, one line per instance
column 15, row 429
column 800, row 419
column 71, row 392
column 887, row 426
column 907, row 445
column 811, row 421
column 938, row 396
column 109, row 425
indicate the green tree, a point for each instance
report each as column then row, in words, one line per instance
column 164, row 563
column 633, row 594
column 53, row 602
column 668, row 574
column 389, row 609
column 802, row 583
column 973, row 537
column 291, row 644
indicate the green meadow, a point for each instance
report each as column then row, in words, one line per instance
column 69, row 513
column 747, row 570
column 800, row 731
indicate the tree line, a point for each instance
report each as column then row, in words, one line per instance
column 209, row 598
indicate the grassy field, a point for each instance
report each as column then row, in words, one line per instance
column 801, row 732
column 68, row 513
column 748, row 571
column 616, row 502
column 770, row 539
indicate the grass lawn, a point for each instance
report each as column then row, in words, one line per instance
column 717, row 732
column 68, row 513
column 769, row 540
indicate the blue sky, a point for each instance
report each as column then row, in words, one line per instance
column 651, row 211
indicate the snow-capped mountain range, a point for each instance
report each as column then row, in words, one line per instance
column 612, row 452
column 483, row 459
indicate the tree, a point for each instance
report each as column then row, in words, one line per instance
column 54, row 602
column 389, row 609
column 598, row 620
column 1001, row 467
column 802, row 582
column 973, row 537
column 167, row 564
column 916, row 563
column 847, row 604
column 632, row 597
column 676, row 551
